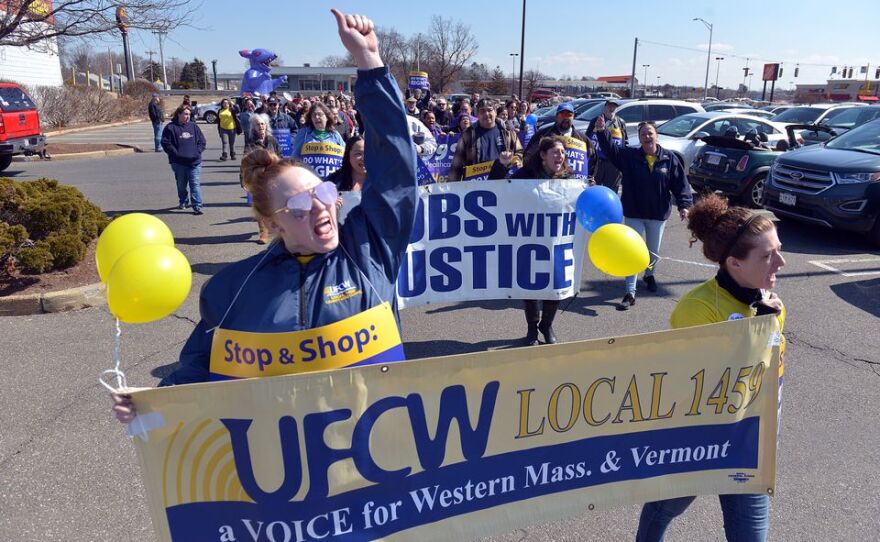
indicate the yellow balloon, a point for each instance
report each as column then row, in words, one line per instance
column 148, row 284
column 618, row 250
column 127, row 233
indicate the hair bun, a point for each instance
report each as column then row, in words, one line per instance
column 255, row 164
column 703, row 216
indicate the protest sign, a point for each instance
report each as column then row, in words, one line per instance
column 576, row 151
column 285, row 141
column 418, row 80
column 466, row 446
column 440, row 163
column 324, row 157
column 493, row 240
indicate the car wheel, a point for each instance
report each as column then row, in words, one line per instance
column 211, row 117
column 5, row 160
column 755, row 194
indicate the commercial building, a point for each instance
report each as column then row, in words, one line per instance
column 301, row 78
column 839, row 90
column 34, row 65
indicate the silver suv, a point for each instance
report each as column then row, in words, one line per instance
column 635, row 111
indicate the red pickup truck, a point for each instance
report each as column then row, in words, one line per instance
column 19, row 125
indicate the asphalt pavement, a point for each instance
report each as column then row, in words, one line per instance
column 67, row 472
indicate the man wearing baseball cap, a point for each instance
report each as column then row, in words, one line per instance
column 563, row 126
column 606, row 173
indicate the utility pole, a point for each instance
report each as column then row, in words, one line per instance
column 645, row 82
column 708, row 56
column 512, row 72
column 717, row 70
column 745, row 72
column 161, row 35
column 522, row 51
column 122, row 24
column 632, row 79
column 152, row 75
column 214, row 69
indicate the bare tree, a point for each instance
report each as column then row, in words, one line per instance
column 29, row 22
column 451, row 46
column 334, row 61
column 532, row 80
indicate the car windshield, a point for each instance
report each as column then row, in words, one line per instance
column 847, row 118
column 592, row 112
column 865, row 138
column 799, row 115
column 680, row 126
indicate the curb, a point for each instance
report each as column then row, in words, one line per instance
column 90, row 128
column 71, row 299
column 77, row 155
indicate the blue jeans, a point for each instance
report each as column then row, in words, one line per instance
column 157, row 136
column 652, row 232
column 746, row 517
column 188, row 176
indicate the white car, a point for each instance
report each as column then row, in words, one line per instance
column 813, row 114
column 635, row 111
column 683, row 135
column 760, row 113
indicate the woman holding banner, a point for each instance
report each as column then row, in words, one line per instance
column 549, row 162
column 318, row 144
column 320, row 281
column 746, row 247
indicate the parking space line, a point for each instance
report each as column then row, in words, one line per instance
column 828, row 265
column 701, row 264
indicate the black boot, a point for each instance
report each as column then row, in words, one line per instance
column 532, row 317
column 546, row 323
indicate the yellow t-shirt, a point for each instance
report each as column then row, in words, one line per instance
column 226, row 120
column 304, row 258
column 709, row 303
column 651, row 160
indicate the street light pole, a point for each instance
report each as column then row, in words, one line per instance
column 717, row 70
column 708, row 56
column 513, row 72
column 645, row 82
column 522, row 51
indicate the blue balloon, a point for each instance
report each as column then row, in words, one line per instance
column 597, row 206
column 531, row 119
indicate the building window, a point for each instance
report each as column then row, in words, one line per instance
column 309, row 84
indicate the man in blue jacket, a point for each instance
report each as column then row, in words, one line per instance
column 183, row 142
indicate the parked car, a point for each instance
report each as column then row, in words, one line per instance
column 738, row 167
column 724, row 106
column 207, row 112
column 602, row 95
column 760, row 113
column 580, row 105
column 19, row 125
column 835, row 184
column 683, row 135
column 812, row 114
column 840, row 124
column 635, row 111
column 542, row 94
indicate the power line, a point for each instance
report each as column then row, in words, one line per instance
column 744, row 57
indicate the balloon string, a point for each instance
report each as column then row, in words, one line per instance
column 121, row 383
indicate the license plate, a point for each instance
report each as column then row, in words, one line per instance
column 787, row 198
column 713, row 159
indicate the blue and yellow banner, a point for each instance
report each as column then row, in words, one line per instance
column 363, row 339
column 440, row 163
column 477, row 172
column 324, row 157
column 466, row 446
column 418, row 80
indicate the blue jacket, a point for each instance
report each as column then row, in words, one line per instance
column 183, row 143
column 306, row 135
column 648, row 194
column 285, row 295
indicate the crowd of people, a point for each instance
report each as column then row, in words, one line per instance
column 294, row 202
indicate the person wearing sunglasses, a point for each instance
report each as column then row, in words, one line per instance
column 652, row 177
column 317, row 273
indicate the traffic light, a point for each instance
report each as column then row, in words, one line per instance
column 849, row 73
column 796, row 70
column 779, row 75
column 877, row 74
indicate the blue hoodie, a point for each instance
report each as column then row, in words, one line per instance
column 286, row 295
column 183, row 143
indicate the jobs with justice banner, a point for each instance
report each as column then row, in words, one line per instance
column 485, row 240
column 466, row 446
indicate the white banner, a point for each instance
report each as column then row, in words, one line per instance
column 484, row 240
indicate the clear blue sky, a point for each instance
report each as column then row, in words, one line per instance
column 575, row 38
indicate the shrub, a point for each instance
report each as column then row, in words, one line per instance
column 140, row 89
column 45, row 225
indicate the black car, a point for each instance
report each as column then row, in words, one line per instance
column 835, row 184
column 841, row 123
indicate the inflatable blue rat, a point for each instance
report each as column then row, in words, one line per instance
column 257, row 79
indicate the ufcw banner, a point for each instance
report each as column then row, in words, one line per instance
column 493, row 240
column 461, row 447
